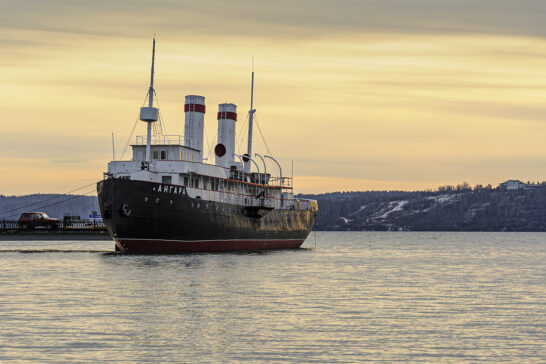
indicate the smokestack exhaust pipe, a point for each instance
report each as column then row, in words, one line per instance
column 227, row 117
column 194, row 123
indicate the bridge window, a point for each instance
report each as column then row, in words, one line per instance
column 159, row 154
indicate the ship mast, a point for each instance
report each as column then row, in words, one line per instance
column 248, row 156
column 150, row 114
column 151, row 90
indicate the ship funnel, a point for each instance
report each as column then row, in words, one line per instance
column 227, row 116
column 193, row 127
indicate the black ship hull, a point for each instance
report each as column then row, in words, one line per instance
column 150, row 217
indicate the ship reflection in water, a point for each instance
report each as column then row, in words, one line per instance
column 409, row 297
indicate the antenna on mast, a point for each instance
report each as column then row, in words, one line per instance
column 150, row 114
column 248, row 155
column 151, row 90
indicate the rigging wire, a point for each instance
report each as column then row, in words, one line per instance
column 240, row 135
column 47, row 199
column 68, row 199
column 155, row 130
column 129, row 140
column 132, row 130
column 207, row 139
column 161, row 126
column 260, row 130
column 211, row 146
column 59, row 202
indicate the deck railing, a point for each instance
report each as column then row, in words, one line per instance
column 161, row 139
column 284, row 182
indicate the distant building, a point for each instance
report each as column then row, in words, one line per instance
column 513, row 185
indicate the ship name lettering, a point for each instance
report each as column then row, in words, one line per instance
column 175, row 190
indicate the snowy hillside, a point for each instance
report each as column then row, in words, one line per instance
column 452, row 209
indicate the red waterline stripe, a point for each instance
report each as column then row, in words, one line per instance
column 180, row 246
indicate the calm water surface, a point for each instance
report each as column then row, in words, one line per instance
column 358, row 297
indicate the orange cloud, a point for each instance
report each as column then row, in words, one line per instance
column 354, row 109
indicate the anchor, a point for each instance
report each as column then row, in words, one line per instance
column 125, row 210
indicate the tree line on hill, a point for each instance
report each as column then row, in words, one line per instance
column 449, row 208
column 54, row 205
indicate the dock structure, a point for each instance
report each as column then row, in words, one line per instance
column 20, row 235
column 14, row 227
column 75, row 230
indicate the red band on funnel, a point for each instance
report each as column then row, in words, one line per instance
column 227, row 115
column 194, row 107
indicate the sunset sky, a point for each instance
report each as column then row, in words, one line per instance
column 362, row 95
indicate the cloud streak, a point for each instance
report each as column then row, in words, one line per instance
column 289, row 19
column 419, row 92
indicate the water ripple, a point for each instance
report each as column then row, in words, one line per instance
column 358, row 297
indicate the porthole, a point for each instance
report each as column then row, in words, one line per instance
column 157, row 200
column 145, row 199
